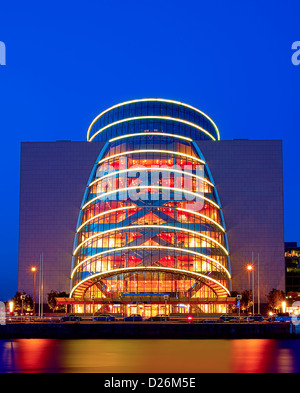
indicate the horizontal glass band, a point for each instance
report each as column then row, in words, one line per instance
column 152, row 118
column 154, row 188
column 176, row 153
column 159, row 169
column 162, row 227
column 185, row 138
column 155, row 207
column 151, row 248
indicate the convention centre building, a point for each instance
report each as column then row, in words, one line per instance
column 152, row 214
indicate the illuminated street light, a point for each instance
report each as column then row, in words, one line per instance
column 250, row 269
column 283, row 305
column 34, row 270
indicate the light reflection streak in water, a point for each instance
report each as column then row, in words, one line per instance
column 150, row 356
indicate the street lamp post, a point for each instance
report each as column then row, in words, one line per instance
column 249, row 270
column 33, row 270
column 22, row 299
column 258, row 289
column 253, row 306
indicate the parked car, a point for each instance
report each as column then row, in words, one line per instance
column 254, row 318
column 226, row 318
column 104, row 317
column 70, row 318
column 159, row 317
column 210, row 320
column 133, row 317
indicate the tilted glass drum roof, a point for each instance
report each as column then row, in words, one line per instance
column 152, row 111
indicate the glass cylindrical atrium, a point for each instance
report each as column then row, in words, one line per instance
column 151, row 237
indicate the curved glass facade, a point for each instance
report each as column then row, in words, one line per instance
column 152, row 114
column 151, row 236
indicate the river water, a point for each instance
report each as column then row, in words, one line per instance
column 150, row 356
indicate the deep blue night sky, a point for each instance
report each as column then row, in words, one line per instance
column 68, row 61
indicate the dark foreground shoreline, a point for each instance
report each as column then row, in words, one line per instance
column 115, row 330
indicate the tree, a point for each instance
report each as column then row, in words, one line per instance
column 52, row 301
column 246, row 302
column 27, row 302
column 275, row 299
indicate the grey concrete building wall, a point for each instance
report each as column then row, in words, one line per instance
column 53, row 179
column 248, row 176
column 249, row 179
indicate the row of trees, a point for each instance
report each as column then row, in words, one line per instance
column 27, row 303
column 275, row 299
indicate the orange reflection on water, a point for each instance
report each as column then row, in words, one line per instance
column 260, row 356
column 146, row 356
column 30, row 355
column 252, row 356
